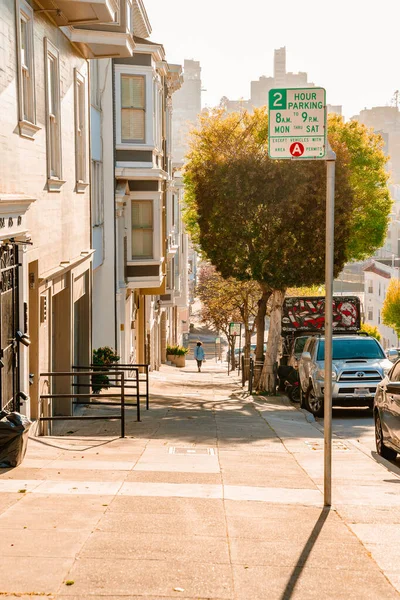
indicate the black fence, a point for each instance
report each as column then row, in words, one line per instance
column 76, row 397
column 131, row 381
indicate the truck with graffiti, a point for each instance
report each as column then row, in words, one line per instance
column 303, row 316
column 307, row 314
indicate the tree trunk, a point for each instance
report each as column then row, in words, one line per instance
column 267, row 379
column 232, row 344
column 246, row 356
column 260, row 327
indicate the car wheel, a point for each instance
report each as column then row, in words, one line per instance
column 314, row 404
column 302, row 398
column 294, row 393
column 381, row 449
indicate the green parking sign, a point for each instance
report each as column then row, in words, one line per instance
column 277, row 99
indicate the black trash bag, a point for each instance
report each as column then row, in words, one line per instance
column 14, row 431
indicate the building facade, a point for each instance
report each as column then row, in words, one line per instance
column 45, row 234
column 140, row 268
column 377, row 278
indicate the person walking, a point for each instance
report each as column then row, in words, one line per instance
column 199, row 355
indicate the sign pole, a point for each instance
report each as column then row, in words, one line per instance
column 330, row 218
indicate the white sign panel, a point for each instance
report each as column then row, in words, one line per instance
column 297, row 123
column 234, row 328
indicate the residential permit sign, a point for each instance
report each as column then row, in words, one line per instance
column 234, row 328
column 297, row 123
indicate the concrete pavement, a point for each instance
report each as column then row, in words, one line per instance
column 213, row 495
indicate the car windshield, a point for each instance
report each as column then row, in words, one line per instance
column 299, row 345
column 354, row 348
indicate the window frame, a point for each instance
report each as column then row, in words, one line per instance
column 148, row 73
column 133, row 229
column 97, row 193
column 53, row 119
column 26, row 72
column 94, row 74
column 142, row 109
column 80, row 132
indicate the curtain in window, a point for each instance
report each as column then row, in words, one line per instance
column 132, row 108
column 142, row 229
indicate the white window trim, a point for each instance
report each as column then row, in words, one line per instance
column 54, row 183
column 97, row 201
column 26, row 128
column 156, row 197
column 81, row 182
column 146, row 72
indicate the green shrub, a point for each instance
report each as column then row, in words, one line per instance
column 177, row 350
column 372, row 330
column 104, row 356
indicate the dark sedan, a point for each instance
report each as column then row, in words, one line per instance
column 387, row 414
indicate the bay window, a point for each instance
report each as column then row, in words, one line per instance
column 142, row 229
column 133, row 108
column 26, row 72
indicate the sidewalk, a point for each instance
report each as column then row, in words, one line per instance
column 212, row 496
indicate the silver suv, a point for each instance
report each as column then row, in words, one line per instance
column 359, row 364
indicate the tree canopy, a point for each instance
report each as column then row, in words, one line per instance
column 262, row 219
column 391, row 306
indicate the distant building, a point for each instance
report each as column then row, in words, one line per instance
column 260, row 88
column 186, row 109
column 334, row 108
column 377, row 278
column 186, row 103
column 386, row 121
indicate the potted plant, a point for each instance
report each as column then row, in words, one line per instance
column 171, row 354
column 180, row 359
column 176, row 355
column 103, row 357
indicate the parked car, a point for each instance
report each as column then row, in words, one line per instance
column 387, row 414
column 359, row 364
column 393, row 354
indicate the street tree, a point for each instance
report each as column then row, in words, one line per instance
column 225, row 301
column 391, row 306
column 264, row 220
column 371, row 330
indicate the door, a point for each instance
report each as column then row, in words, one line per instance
column 391, row 407
column 9, row 322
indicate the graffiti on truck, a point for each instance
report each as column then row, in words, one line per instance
column 308, row 314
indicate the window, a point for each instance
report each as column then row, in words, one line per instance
column 94, row 84
column 53, row 117
column 370, row 314
column 80, row 132
column 370, row 287
column 129, row 19
column 26, row 73
column 142, row 229
column 379, row 289
column 352, row 349
column 379, row 317
column 97, row 193
column 133, row 112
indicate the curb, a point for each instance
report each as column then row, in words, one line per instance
column 307, row 415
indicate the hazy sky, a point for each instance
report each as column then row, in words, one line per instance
column 350, row 47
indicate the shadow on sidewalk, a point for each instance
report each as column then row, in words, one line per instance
column 301, row 563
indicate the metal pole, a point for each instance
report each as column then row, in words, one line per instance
column 137, row 394
column 330, row 218
column 240, row 345
column 122, row 405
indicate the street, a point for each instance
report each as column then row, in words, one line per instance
column 353, row 423
column 215, row 494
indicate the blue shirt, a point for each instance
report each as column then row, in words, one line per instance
column 199, row 353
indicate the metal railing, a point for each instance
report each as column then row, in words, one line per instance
column 130, row 383
column 73, row 396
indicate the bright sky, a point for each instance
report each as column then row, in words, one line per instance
column 350, row 47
